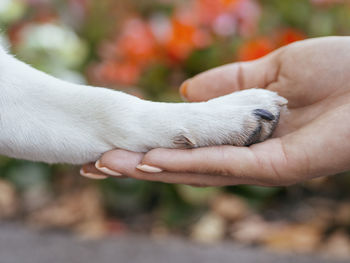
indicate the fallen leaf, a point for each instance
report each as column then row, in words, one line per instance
column 230, row 207
column 342, row 214
column 8, row 200
column 73, row 209
column 252, row 230
column 196, row 195
column 301, row 238
column 211, row 228
column 337, row 245
column 93, row 229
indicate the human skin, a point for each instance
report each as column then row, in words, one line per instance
column 311, row 140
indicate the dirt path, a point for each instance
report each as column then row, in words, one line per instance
column 19, row 244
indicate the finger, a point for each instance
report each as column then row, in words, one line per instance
column 260, row 164
column 120, row 161
column 232, row 77
column 125, row 162
column 90, row 171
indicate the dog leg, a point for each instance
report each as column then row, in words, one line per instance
column 46, row 119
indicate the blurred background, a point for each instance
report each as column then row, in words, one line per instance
column 147, row 48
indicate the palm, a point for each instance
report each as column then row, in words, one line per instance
column 311, row 86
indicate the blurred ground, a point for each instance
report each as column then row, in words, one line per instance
column 20, row 244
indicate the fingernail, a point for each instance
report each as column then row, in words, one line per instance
column 148, row 169
column 92, row 176
column 184, row 89
column 106, row 170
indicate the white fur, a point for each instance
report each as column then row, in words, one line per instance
column 46, row 119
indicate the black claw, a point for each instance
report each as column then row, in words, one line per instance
column 264, row 114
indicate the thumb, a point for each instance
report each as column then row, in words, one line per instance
column 232, row 77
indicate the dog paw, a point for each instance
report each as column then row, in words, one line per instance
column 240, row 119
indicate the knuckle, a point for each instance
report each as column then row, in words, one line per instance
column 152, row 156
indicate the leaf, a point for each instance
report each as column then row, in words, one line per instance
column 294, row 238
column 230, row 207
column 8, row 200
column 337, row 245
column 211, row 228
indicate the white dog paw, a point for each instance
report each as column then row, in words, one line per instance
column 241, row 119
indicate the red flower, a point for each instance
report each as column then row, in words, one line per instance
column 14, row 32
column 254, row 49
column 185, row 37
column 289, row 36
column 115, row 72
column 137, row 42
column 210, row 10
column 232, row 4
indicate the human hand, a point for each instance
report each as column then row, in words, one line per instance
column 310, row 140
